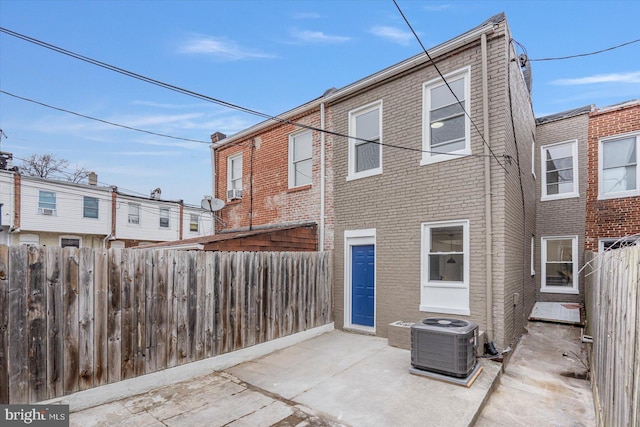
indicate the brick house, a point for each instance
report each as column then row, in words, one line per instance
column 562, row 174
column 276, row 174
column 613, row 196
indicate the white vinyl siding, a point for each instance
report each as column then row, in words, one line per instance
column 446, row 126
column 618, row 172
column 365, row 124
column 445, row 267
column 559, row 264
column 559, row 168
column 300, row 159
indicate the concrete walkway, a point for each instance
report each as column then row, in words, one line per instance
column 538, row 387
column 335, row 379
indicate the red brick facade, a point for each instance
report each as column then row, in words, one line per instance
column 615, row 217
column 266, row 196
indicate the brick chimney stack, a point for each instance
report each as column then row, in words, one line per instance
column 218, row 136
column 93, row 178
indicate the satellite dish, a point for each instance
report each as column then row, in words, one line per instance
column 212, row 204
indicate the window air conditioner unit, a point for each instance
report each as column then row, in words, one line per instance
column 44, row 211
column 234, row 194
column 445, row 346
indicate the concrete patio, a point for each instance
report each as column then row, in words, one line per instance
column 333, row 379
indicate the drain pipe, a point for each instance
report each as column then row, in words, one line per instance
column 487, row 199
column 322, row 180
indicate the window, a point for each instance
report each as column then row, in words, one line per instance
column 234, row 177
column 365, row 158
column 300, row 150
column 90, row 207
column 46, row 202
column 623, row 242
column 446, row 127
column 445, row 267
column 533, row 253
column 194, row 221
column 560, row 171
column 134, row 213
column 164, row 217
column 559, row 265
column 533, row 157
column 73, row 242
column 618, row 167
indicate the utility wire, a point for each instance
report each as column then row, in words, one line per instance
column 211, row 99
column 101, row 120
column 586, row 54
column 447, row 83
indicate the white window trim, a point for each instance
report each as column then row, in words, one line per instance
column 426, row 284
column 533, row 158
column 357, row 238
column 83, row 208
column 55, row 209
column 427, row 157
column 133, row 224
column 543, row 266
column 352, row 142
column 292, row 172
column 230, row 159
column 197, row 222
column 618, row 194
column 168, row 210
column 543, row 171
column 533, row 254
column 78, row 238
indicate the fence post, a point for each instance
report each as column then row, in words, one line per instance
column 4, row 324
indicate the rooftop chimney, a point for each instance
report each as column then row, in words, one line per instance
column 218, row 136
column 93, row 178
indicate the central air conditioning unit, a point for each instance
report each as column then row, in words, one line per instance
column 445, row 346
column 234, row 194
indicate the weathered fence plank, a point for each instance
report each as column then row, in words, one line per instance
column 4, row 325
column 74, row 319
column 86, row 309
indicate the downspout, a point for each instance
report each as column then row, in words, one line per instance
column 181, row 218
column 487, row 195
column 114, row 196
column 322, row 180
column 17, row 206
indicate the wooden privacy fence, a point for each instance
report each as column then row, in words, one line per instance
column 613, row 316
column 72, row 319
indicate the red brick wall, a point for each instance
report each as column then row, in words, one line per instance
column 273, row 201
column 618, row 217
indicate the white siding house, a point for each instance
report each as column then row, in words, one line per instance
column 6, row 205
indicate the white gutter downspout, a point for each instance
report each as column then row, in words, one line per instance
column 322, row 180
column 487, row 193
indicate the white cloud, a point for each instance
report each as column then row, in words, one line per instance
column 393, row 34
column 437, row 7
column 633, row 77
column 318, row 37
column 221, row 48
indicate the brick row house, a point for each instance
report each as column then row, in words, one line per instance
column 38, row 211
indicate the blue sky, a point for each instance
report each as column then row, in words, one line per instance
column 269, row 56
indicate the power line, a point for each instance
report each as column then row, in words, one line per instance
column 209, row 98
column 587, row 54
column 101, row 120
column 447, row 83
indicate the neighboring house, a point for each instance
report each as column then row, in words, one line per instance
column 59, row 213
column 562, row 175
column 433, row 216
column 430, row 221
column 276, row 174
column 613, row 196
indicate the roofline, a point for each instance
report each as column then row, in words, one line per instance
column 65, row 183
column 619, row 106
column 565, row 114
column 333, row 96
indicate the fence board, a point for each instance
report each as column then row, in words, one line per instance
column 101, row 303
column 4, row 325
column 70, row 316
column 162, row 309
column 18, row 336
column 209, row 314
column 218, row 302
column 114, row 316
column 199, row 330
column 172, row 304
column 150, row 317
column 127, row 338
column 37, row 323
column 182, row 308
column 138, row 310
column 55, row 339
column 85, row 318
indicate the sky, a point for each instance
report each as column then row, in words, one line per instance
column 269, row 56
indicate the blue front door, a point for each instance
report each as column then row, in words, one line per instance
column 362, row 285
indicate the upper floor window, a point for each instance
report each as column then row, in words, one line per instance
column 134, row 213
column 365, row 151
column 164, row 217
column 446, row 126
column 618, row 166
column 194, row 221
column 559, row 265
column 90, row 207
column 560, row 170
column 46, row 202
column 234, row 177
column 300, row 164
